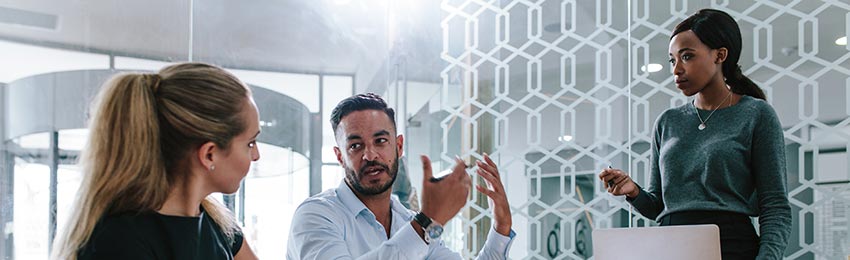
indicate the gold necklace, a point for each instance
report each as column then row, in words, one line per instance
column 702, row 122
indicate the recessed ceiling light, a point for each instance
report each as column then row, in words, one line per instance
column 565, row 138
column 268, row 123
column 652, row 67
column 841, row 41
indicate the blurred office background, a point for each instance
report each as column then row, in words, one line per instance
column 553, row 90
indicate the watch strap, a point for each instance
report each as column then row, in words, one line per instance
column 423, row 220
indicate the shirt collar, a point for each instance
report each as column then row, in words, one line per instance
column 356, row 207
column 346, row 195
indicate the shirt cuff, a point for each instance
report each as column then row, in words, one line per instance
column 410, row 243
column 498, row 243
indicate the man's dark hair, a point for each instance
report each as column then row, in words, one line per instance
column 368, row 101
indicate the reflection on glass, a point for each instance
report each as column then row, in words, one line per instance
column 274, row 188
column 332, row 175
column 334, row 90
column 420, row 95
column 69, row 178
column 301, row 87
column 23, row 60
column 34, row 141
column 32, row 198
column 328, row 155
column 128, row 63
column 73, row 139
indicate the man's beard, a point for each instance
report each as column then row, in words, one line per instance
column 352, row 178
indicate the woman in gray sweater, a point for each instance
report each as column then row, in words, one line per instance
column 719, row 159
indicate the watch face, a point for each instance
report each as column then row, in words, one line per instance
column 435, row 231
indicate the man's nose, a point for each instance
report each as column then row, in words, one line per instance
column 370, row 154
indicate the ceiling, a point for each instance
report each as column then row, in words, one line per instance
column 370, row 38
column 328, row 36
column 342, row 36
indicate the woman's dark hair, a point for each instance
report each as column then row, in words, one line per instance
column 717, row 29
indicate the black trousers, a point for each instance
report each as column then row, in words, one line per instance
column 738, row 239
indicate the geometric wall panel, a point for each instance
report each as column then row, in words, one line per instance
column 555, row 91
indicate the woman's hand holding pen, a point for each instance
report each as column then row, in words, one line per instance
column 618, row 183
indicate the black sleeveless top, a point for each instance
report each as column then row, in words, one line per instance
column 152, row 235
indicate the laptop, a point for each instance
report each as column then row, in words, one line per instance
column 695, row 242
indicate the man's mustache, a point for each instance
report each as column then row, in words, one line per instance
column 372, row 164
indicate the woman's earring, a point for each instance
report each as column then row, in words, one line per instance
column 212, row 167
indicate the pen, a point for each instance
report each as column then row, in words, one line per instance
column 446, row 172
column 610, row 182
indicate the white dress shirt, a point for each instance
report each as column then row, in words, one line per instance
column 335, row 224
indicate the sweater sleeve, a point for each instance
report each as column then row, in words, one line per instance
column 768, row 168
column 650, row 202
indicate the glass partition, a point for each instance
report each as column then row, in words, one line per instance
column 541, row 88
column 553, row 90
column 32, row 195
column 273, row 190
column 558, row 90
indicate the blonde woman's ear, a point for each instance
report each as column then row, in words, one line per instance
column 205, row 155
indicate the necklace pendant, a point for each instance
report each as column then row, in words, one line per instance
column 701, row 126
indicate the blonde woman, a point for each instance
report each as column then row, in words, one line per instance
column 159, row 145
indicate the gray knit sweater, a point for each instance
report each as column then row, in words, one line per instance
column 737, row 164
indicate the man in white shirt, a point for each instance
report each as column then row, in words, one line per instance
column 360, row 220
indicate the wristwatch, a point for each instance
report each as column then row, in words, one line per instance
column 432, row 229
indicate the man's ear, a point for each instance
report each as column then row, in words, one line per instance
column 400, row 142
column 338, row 154
column 206, row 155
column 721, row 55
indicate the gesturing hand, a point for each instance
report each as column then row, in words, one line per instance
column 496, row 192
column 442, row 199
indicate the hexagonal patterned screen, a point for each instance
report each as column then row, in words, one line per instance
column 556, row 91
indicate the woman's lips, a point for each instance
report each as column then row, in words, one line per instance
column 679, row 83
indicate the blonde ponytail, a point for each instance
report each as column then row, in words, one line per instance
column 222, row 216
column 142, row 128
column 123, row 162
